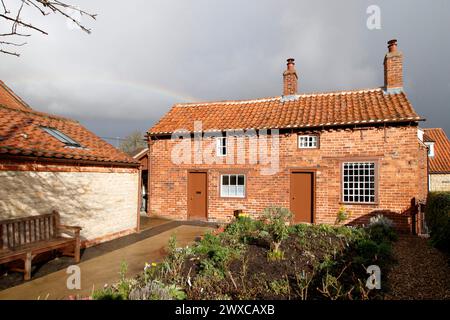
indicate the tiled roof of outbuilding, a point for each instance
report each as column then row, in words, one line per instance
column 440, row 163
column 21, row 134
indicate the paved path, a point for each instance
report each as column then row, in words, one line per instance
column 104, row 269
column 421, row 272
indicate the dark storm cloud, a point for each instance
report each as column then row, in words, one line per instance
column 142, row 58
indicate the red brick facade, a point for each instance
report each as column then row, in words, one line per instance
column 400, row 164
column 376, row 128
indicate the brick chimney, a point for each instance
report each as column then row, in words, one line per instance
column 393, row 67
column 290, row 79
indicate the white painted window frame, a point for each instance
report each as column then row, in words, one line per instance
column 355, row 191
column 220, row 145
column 430, row 146
column 308, row 141
column 224, row 194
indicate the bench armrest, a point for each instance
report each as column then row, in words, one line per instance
column 71, row 230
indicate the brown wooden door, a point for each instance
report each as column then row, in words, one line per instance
column 301, row 192
column 197, row 196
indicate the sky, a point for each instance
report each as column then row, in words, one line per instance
column 144, row 56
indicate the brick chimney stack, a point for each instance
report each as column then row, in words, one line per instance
column 393, row 67
column 290, row 79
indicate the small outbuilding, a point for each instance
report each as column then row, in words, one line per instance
column 48, row 162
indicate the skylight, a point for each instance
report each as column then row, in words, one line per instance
column 68, row 141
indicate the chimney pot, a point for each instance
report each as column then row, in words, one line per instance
column 392, row 45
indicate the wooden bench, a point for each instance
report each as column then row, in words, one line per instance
column 25, row 238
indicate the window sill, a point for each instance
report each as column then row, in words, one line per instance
column 233, row 198
column 360, row 203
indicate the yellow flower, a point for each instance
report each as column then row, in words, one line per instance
column 154, row 264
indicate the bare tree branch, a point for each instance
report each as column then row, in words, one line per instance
column 13, row 43
column 11, row 53
column 45, row 7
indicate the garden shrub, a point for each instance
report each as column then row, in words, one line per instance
column 244, row 228
column 276, row 226
column 156, row 290
column 368, row 251
column 381, row 229
column 217, row 252
column 437, row 215
column 107, row 294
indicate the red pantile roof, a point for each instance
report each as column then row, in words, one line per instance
column 440, row 163
column 10, row 99
column 302, row 111
column 21, row 134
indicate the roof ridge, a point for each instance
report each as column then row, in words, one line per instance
column 39, row 113
column 266, row 99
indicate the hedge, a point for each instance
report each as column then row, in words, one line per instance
column 437, row 216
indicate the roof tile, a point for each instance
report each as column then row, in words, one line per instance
column 21, row 134
column 440, row 163
column 307, row 110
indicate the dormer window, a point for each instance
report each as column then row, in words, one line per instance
column 308, row 141
column 430, row 146
column 68, row 141
column 221, row 147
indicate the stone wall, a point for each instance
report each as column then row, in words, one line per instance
column 103, row 201
column 439, row 182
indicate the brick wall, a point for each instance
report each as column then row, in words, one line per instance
column 401, row 169
column 439, row 182
column 103, row 201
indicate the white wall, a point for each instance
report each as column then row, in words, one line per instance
column 101, row 203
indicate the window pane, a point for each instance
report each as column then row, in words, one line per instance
column 306, row 141
column 225, row 180
column 240, row 191
column 233, row 185
column 358, row 182
column 224, row 191
column 232, row 191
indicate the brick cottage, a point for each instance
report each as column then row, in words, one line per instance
column 48, row 163
column 312, row 153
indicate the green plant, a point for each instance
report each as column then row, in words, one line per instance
column 276, row 220
column 280, row 287
column 156, row 290
column 369, row 251
column 342, row 215
column 217, row 254
column 106, row 294
column 173, row 263
column 303, row 281
column 333, row 288
column 437, row 216
column 381, row 229
column 243, row 228
column 275, row 255
column 124, row 285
